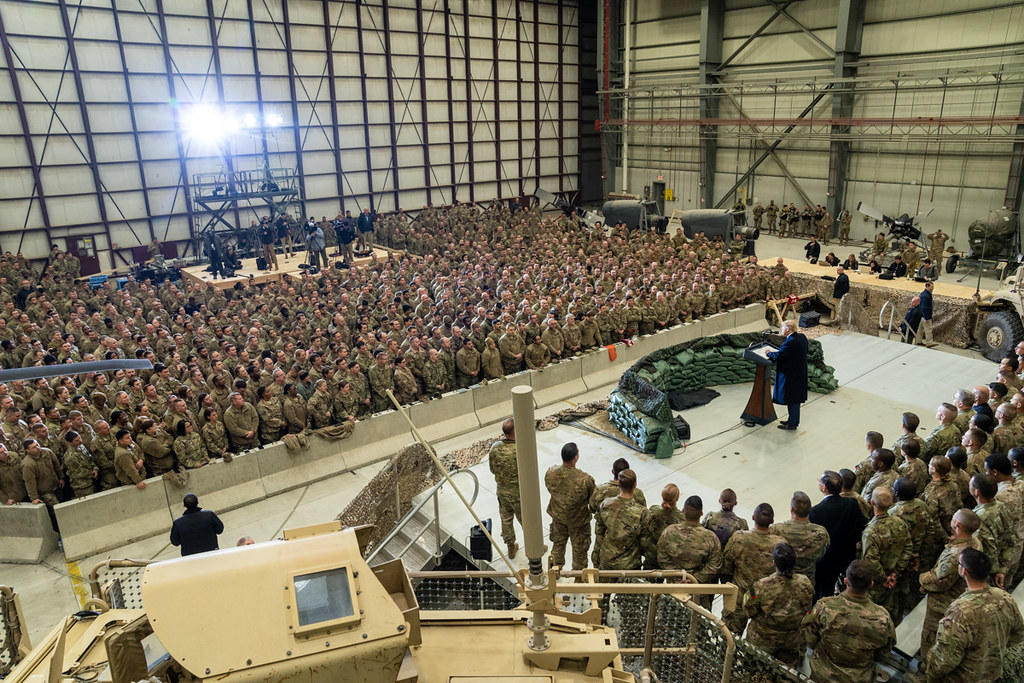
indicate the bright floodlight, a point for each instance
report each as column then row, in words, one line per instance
column 274, row 120
column 250, row 121
column 206, row 124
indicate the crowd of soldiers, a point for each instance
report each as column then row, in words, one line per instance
column 466, row 295
column 789, row 221
column 937, row 518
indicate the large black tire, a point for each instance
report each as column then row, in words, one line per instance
column 999, row 334
column 952, row 262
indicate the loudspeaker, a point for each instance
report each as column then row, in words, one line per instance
column 479, row 547
column 682, row 428
column 261, row 263
column 885, row 276
column 810, row 319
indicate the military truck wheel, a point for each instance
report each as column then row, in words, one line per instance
column 952, row 262
column 999, row 333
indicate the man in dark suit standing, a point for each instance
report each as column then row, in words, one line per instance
column 844, row 522
column 790, row 373
column 839, row 289
column 911, row 321
column 926, row 315
column 197, row 529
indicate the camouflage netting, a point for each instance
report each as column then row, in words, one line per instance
column 412, row 471
column 950, row 314
column 640, row 406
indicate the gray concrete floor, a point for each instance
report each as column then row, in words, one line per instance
column 879, row 380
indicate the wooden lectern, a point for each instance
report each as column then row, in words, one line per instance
column 760, row 409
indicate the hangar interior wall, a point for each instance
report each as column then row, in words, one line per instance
column 936, row 88
column 383, row 103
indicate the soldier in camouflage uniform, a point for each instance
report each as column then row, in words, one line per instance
column 102, row 448
column 295, row 413
column 887, row 548
column 848, row 633
column 590, row 332
column 189, row 446
column 512, row 348
column 271, row 412
column 996, row 530
column 381, row 379
column 12, row 484
column 320, row 406
column 725, row 522
column 467, row 365
column 504, row 466
column 128, row 461
column 490, row 360
column 570, row 490
column 943, row 437
column 215, row 436
column 808, row 540
column 942, row 583
column 748, row 558
column 691, row 547
column 914, row 469
column 435, row 376
column 42, row 473
column 662, row 517
column 978, row 630
column 81, row 469
column 360, row 388
column 915, row 514
column 406, row 387
column 776, row 606
column 242, row 422
column 610, row 489
column 622, row 527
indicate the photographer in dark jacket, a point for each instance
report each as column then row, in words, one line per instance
column 197, row 529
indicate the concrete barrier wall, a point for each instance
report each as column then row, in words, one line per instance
column 28, row 536
column 113, row 518
column 454, row 414
column 558, row 381
column 492, row 402
column 222, row 485
column 282, row 470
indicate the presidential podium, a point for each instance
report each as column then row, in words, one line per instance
column 760, row 409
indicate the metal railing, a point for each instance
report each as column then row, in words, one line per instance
column 892, row 316
column 430, row 495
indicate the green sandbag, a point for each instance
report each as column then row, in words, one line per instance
column 666, row 445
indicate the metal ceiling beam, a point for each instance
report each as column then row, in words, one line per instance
column 339, row 172
column 712, row 25
column 293, row 73
column 90, row 144
column 27, row 136
column 392, row 130
column 775, row 157
column 498, row 171
column 849, row 35
column 219, row 80
column 424, row 114
column 771, row 148
column 135, row 127
column 519, row 94
column 470, row 157
column 366, row 109
column 451, row 106
column 821, row 43
column 1014, row 182
column 178, row 133
column 756, row 34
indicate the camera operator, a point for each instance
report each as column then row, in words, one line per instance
column 315, row 245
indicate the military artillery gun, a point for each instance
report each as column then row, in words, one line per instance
column 994, row 241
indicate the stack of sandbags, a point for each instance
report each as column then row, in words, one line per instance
column 821, row 380
column 641, row 429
